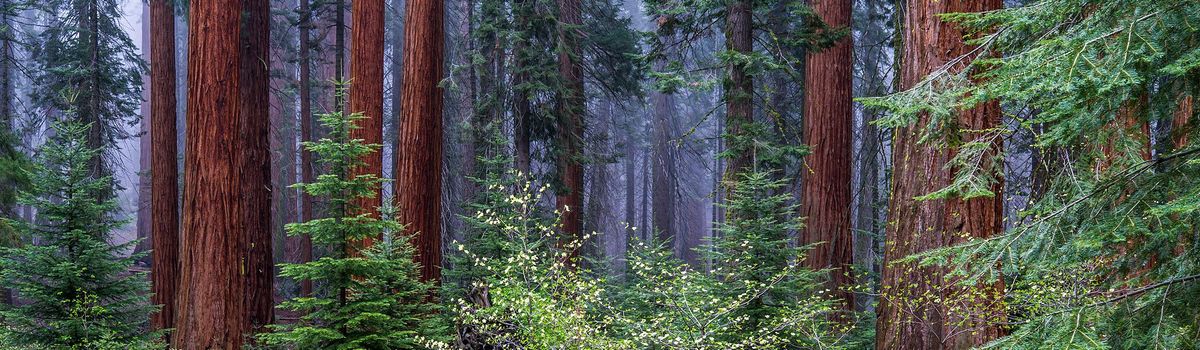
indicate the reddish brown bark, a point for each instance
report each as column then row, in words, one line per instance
column 366, row 95
column 570, row 111
column 739, row 90
column 919, row 307
column 1181, row 123
column 828, row 119
column 306, row 121
column 419, row 167
column 256, row 164
column 212, row 312
column 164, row 201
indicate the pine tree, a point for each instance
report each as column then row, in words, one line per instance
column 373, row 298
column 78, row 290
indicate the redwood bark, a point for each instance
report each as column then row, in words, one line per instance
column 522, row 108
column 1181, row 123
column 418, row 185
column 366, row 96
column 828, row 119
column 212, row 312
column 570, row 109
column 919, row 307
column 739, row 90
column 256, row 165
column 306, row 121
column 164, row 187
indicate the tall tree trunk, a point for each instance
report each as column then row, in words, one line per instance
column 339, row 54
column 164, row 202
column 664, row 172
column 911, row 315
column 255, row 129
column 397, row 42
column 739, row 90
column 828, row 119
column 522, row 108
column 630, row 180
column 7, row 119
column 418, row 186
column 143, row 203
column 212, row 311
column 570, row 109
column 306, row 123
column 366, row 95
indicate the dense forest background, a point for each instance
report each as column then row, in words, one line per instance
column 599, row 174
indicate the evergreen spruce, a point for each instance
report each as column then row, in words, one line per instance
column 75, row 286
column 370, row 300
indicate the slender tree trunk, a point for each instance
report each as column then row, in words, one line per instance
column 397, row 42
column 339, row 55
column 828, row 119
column 212, row 311
column 366, row 94
column 630, row 180
column 909, row 318
column 306, row 123
column 143, row 203
column 570, row 120
column 739, row 91
column 256, row 166
column 7, row 119
column 418, row 186
column 164, row 202
column 664, row 171
column 522, row 108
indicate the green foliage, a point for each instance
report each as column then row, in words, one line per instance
column 77, row 287
column 527, row 292
column 373, row 299
column 1107, row 256
column 88, row 65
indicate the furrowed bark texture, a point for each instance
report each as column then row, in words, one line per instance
column 255, row 129
column 570, row 121
column 366, row 95
column 164, row 171
column 919, row 307
column 828, row 119
column 418, row 185
column 212, row 312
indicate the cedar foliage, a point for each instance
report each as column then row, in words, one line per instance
column 75, row 286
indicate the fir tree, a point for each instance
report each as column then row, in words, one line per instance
column 373, row 299
column 89, row 65
column 75, row 284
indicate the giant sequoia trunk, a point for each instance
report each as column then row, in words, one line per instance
column 739, row 90
column 570, row 109
column 418, row 186
column 828, row 119
column 366, row 94
column 919, row 306
column 254, row 119
column 164, row 187
column 212, row 311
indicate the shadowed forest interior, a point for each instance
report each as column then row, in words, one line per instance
column 599, row 174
